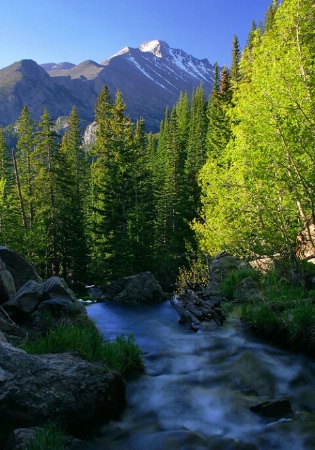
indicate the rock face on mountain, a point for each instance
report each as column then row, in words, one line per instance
column 150, row 78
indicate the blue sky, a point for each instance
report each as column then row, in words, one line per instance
column 76, row 30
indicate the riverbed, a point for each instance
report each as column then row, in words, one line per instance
column 198, row 387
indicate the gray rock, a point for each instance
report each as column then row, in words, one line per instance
column 20, row 269
column 56, row 287
column 3, row 339
column 57, row 387
column 7, row 286
column 7, row 325
column 20, row 438
column 62, row 307
column 247, row 290
column 26, row 299
column 140, row 288
column 219, row 267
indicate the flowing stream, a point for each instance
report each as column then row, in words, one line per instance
column 198, row 387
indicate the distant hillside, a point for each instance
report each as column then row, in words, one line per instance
column 150, row 78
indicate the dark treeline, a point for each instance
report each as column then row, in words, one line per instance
column 233, row 171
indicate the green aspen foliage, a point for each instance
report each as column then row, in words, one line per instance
column 264, row 195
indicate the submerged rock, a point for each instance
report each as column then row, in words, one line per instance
column 276, row 409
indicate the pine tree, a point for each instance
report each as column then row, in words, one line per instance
column 115, row 184
column 235, row 69
column 10, row 224
column 25, row 146
column 47, row 225
column 219, row 127
column 72, row 174
column 196, row 150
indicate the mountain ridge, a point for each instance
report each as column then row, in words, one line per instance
column 150, row 77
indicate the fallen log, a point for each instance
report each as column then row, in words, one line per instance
column 193, row 310
column 177, row 305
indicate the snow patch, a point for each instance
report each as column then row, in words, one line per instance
column 121, row 52
column 156, row 47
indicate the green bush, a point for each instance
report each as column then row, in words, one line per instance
column 233, row 278
column 122, row 354
column 50, row 437
column 195, row 277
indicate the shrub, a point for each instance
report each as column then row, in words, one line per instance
column 195, row 277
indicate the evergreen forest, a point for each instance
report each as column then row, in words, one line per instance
column 234, row 171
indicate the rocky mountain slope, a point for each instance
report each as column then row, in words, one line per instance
column 150, row 78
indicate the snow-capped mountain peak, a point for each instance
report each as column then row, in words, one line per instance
column 158, row 48
column 150, row 77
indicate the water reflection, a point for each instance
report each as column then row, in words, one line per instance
column 198, row 387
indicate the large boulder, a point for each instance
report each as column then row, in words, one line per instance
column 140, row 288
column 247, row 290
column 63, row 307
column 21, row 270
column 56, row 287
column 7, row 286
column 7, row 326
column 26, row 299
column 219, row 267
column 61, row 388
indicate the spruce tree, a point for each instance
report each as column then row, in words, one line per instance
column 25, row 127
column 235, row 69
column 72, row 174
column 47, row 224
column 10, row 224
column 116, row 181
column 196, row 150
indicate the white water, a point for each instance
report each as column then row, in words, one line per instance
column 198, row 387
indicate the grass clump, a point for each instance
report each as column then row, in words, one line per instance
column 261, row 317
column 233, row 278
column 287, row 313
column 122, row 354
column 50, row 437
